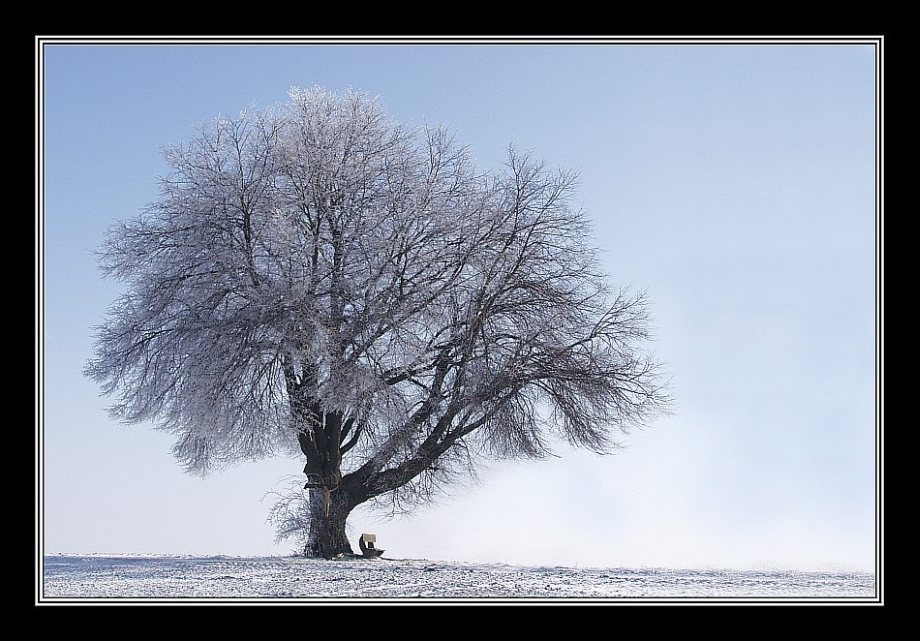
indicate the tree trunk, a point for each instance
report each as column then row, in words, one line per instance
column 328, row 512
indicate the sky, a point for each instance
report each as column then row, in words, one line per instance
column 733, row 183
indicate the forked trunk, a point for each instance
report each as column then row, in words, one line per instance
column 327, row 538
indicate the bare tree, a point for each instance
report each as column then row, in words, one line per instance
column 318, row 278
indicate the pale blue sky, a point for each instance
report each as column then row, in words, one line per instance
column 735, row 183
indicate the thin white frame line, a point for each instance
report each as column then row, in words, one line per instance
column 877, row 41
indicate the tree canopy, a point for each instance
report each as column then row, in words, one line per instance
column 316, row 278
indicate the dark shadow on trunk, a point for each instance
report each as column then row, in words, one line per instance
column 327, row 537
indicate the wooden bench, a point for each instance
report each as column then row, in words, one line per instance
column 368, row 548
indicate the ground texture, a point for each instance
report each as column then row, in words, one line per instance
column 286, row 577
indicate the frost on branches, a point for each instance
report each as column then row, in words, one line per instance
column 318, row 279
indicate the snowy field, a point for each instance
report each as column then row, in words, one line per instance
column 286, row 577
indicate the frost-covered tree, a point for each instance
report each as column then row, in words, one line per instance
column 318, row 279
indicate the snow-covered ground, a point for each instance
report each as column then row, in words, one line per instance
column 287, row 577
